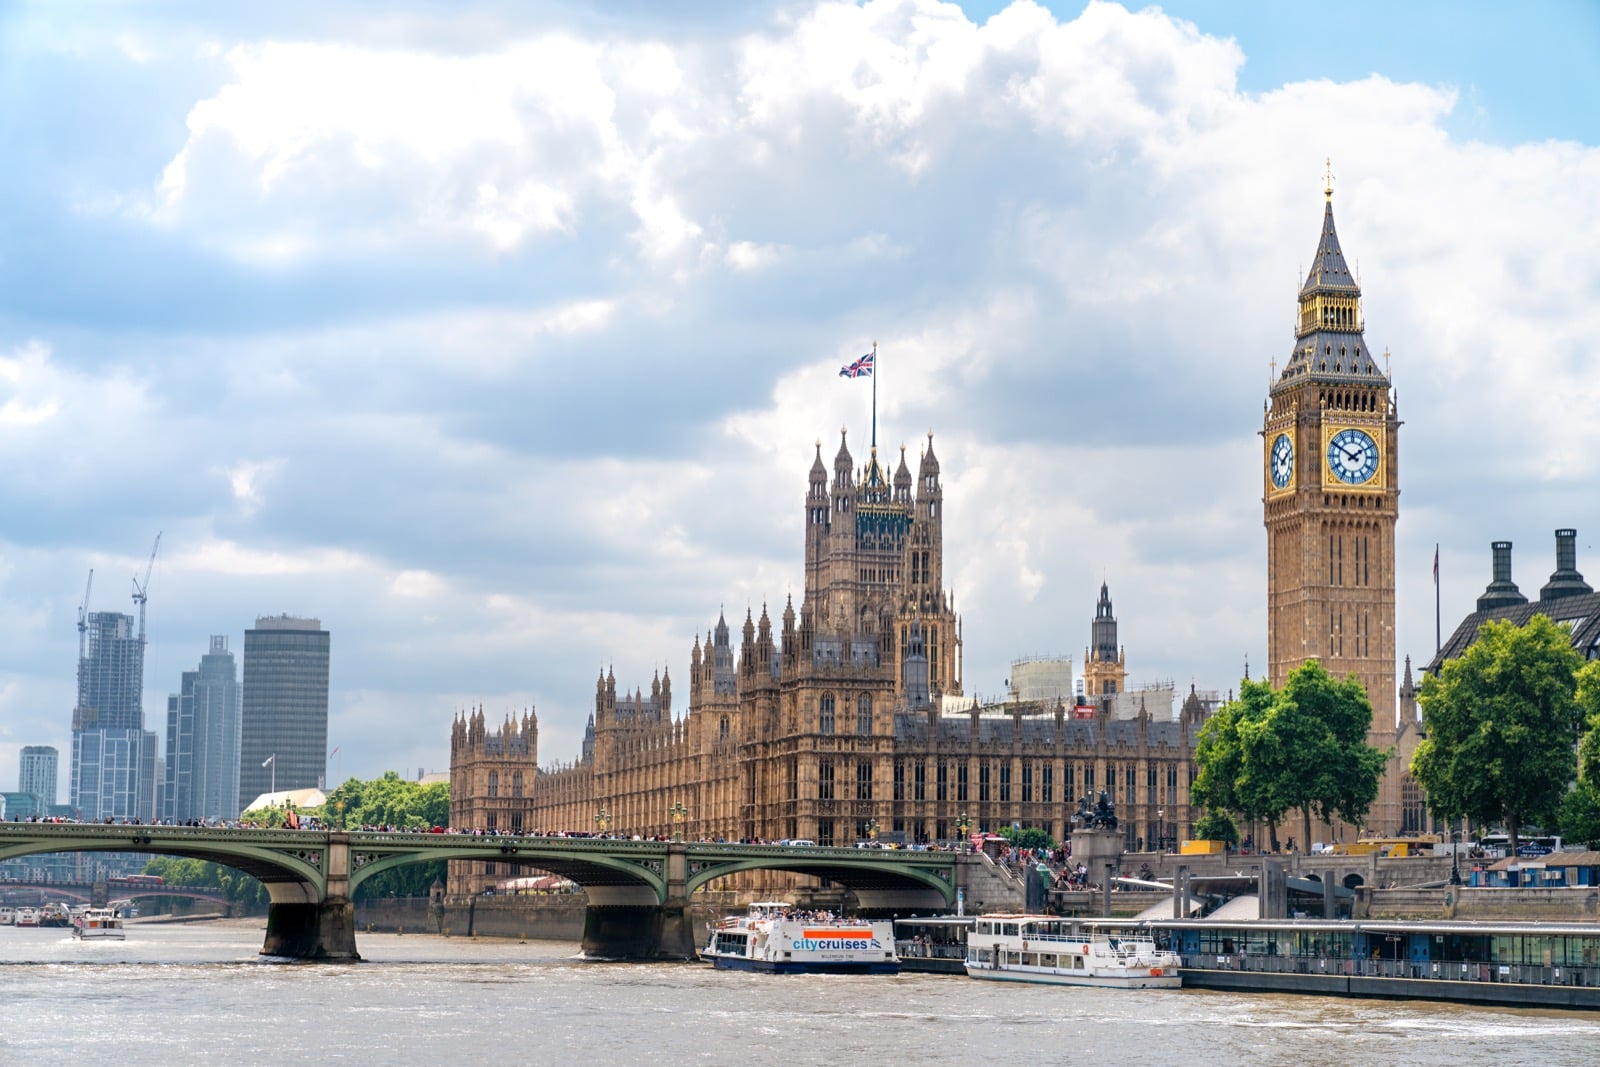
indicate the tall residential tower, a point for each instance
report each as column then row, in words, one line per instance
column 113, row 756
column 39, row 772
column 202, row 771
column 283, row 733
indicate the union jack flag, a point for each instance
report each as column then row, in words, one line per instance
column 861, row 368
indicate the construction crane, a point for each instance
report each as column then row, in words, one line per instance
column 141, row 591
column 83, row 617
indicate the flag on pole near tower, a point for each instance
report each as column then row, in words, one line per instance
column 1435, row 564
column 268, row 761
column 861, row 368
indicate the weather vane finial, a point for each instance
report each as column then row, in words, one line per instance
column 1327, row 177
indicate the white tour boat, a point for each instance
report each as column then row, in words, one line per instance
column 776, row 938
column 7, row 916
column 95, row 923
column 26, row 917
column 1056, row 951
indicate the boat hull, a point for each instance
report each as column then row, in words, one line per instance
column 742, row 963
column 1109, row 981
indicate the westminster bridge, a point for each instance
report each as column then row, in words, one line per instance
column 638, row 891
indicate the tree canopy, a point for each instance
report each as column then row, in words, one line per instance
column 1502, row 722
column 1302, row 748
column 1580, row 813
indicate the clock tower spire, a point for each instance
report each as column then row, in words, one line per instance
column 1331, row 495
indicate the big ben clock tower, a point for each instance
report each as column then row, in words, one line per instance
column 1331, row 494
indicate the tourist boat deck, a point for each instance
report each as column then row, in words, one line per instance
column 775, row 938
column 1056, row 951
column 934, row 944
column 97, row 923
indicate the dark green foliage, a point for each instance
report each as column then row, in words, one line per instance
column 1304, row 748
column 1216, row 826
column 1027, row 837
column 1502, row 724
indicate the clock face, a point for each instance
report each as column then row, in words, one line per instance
column 1353, row 456
column 1282, row 461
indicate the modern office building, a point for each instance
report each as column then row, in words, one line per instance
column 113, row 756
column 283, row 732
column 39, row 771
column 202, row 772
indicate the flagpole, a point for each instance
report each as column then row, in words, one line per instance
column 874, row 396
column 1438, row 640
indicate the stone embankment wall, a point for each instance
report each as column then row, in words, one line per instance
column 546, row 917
column 1573, row 904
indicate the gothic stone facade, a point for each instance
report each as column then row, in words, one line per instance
column 829, row 725
column 1331, row 481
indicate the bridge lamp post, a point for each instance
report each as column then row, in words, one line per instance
column 1161, row 830
column 964, row 827
column 602, row 820
column 872, row 829
column 678, row 813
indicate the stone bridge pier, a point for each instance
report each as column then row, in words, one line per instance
column 305, row 925
column 631, row 922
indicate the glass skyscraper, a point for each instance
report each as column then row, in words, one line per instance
column 202, row 773
column 39, row 772
column 113, row 756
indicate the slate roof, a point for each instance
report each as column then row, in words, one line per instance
column 1566, row 598
column 1332, row 353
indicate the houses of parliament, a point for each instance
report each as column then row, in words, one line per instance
column 844, row 718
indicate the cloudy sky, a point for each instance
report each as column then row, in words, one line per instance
column 499, row 336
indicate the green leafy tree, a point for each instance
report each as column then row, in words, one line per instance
column 1331, row 772
column 1222, row 783
column 1502, row 726
column 1027, row 837
column 1217, row 826
column 1580, row 812
column 392, row 801
column 1302, row 748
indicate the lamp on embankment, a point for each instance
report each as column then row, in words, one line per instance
column 963, row 827
column 602, row 820
column 678, row 813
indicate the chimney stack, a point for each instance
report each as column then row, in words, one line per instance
column 1566, row 581
column 1502, row 591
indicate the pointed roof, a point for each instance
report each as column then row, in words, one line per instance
column 1329, row 271
column 1329, row 343
column 930, row 462
column 902, row 475
column 873, row 477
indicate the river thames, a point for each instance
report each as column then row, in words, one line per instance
column 197, row 993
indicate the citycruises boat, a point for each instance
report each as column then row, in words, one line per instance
column 777, row 939
column 1056, row 951
column 7, row 916
column 97, row 923
column 26, row 917
column 55, row 915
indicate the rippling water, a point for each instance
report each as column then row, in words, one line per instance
column 197, row 993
